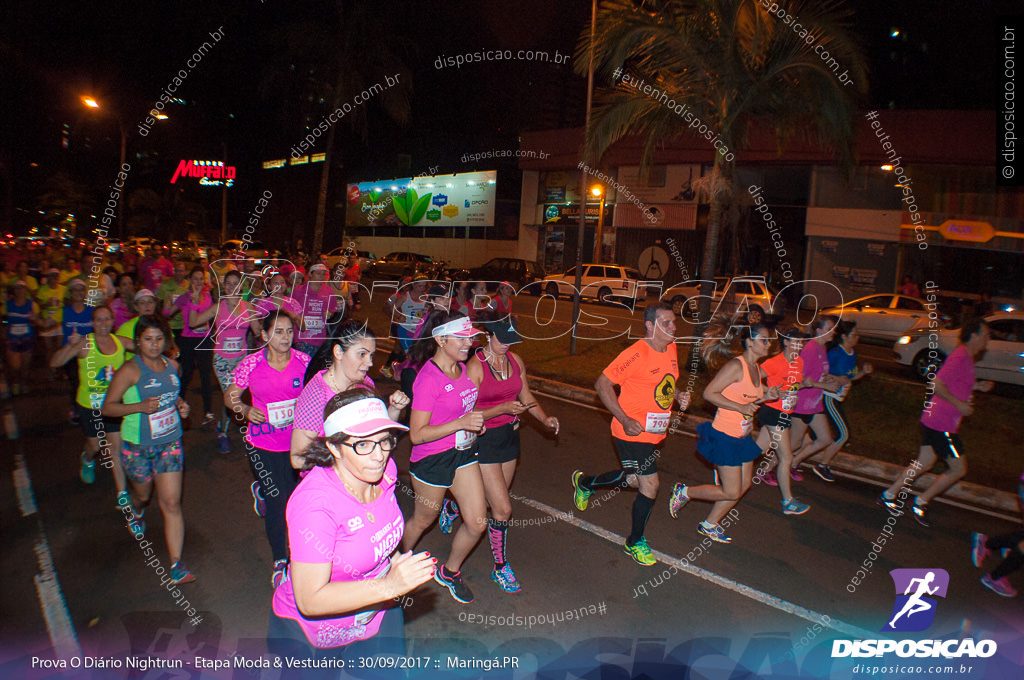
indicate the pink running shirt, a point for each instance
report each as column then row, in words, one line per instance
column 265, row 306
column 957, row 374
column 446, row 400
column 815, row 367
column 326, row 524
column 309, row 410
column 231, row 329
column 184, row 303
column 274, row 393
column 316, row 307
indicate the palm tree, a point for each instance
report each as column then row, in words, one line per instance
column 735, row 67
column 330, row 62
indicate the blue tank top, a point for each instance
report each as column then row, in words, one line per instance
column 76, row 322
column 163, row 426
column 18, row 319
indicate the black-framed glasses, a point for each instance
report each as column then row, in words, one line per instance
column 364, row 447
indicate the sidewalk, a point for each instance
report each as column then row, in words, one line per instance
column 974, row 495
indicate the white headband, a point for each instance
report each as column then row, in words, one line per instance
column 461, row 327
column 360, row 418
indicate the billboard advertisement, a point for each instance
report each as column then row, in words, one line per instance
column 465, row 199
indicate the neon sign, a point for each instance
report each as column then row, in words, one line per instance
column 210, row 173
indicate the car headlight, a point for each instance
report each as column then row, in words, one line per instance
column 904, row 340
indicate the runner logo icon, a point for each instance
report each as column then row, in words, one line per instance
column 916, row 590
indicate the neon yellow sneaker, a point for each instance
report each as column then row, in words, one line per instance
column 640, row 552
column 580, row 495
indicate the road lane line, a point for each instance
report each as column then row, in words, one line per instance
column 710, row 576
column 51, row 597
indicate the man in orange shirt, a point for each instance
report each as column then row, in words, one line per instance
column 646, row 373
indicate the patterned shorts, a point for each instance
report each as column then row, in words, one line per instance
column 225, row 370
column 141, row 463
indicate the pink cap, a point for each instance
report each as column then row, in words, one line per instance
column 361, row 418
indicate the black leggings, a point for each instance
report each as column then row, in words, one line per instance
column 277, row 478
column 286, row 638
column 191, row 357
column 1014, row 560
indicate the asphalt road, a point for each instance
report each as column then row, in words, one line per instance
column 741, row 605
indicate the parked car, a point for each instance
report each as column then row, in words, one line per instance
column 727, row 296
column 887, row 316
column 335, row 256
column 253, row 249
column 519, row 273
column 141, row 243
column 400, row 264
column 599, row 281
column 1003, row 360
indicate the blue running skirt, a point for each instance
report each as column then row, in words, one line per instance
column 721, row 449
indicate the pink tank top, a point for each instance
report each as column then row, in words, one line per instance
column 494, row 391
column 231, row 330
column 744, row 391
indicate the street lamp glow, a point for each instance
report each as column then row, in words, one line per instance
column 158, row 115
column 887, row 167
column 90, row 102
column 596, row 191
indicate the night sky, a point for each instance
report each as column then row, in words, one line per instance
column 245, row 93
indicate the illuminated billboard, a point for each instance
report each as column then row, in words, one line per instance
column 465, row 199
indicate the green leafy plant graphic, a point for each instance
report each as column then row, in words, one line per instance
column 374, row 195
column 411, row 207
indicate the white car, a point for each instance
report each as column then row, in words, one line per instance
column 1003, row 360
column 886, row 316
column 599, row 281
column 727, row 295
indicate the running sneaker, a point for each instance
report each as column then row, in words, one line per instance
column 88, row 470
column 280, row 573
column 887, row 503
column 137, row 524
column 824, row 471
column 459, row 590
column 794, row 507
column 678, row 499
column 207, row 419
column 714, row 532
column 123, row 498
column 770, row 479
column 259, row 504
column 223, row 443
column 920, row 514
column 640, row 552
column 796, row 475
column 999, row 587
column 506, row 578
column 386, row 371
column 180, row 574
column 978, row 550
column 580, row 495
column 449, row 513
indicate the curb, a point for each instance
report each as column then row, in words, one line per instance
column 974, row 495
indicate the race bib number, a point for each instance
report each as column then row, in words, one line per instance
column 789, row 403
column 748, row 426
column 281, row 413
column 364, row 618
column 233, row 345
column 162, row 422
column 314, row 324
column 96, row 400
column 464, row 439
column 657, row 423
column 19, row 329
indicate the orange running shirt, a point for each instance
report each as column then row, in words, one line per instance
column 780, row 372
column 647, row 379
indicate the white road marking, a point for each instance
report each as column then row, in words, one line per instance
column 51, row 598
column 710, row 576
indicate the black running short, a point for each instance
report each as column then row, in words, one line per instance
column 499, row 444
column 439, row 469
column 945, row 444
column 770, row 417
column 95, row 426
column 638, row 458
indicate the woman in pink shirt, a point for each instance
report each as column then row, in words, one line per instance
column 273, row 377
column 191, row 304
column 232, row 319
column 443, row 427
column 339, row 600
column 123, row 305
column 341, row 363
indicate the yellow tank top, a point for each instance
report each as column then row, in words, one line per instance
column 95, row 372
column 744, row 391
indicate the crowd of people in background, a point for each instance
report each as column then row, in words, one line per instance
column 130, row 331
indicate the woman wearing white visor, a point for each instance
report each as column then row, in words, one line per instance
column 443, row 427
column 344, row 524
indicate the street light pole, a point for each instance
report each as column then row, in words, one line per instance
column 600, row 219
column 120, row 212
column 583, row 190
